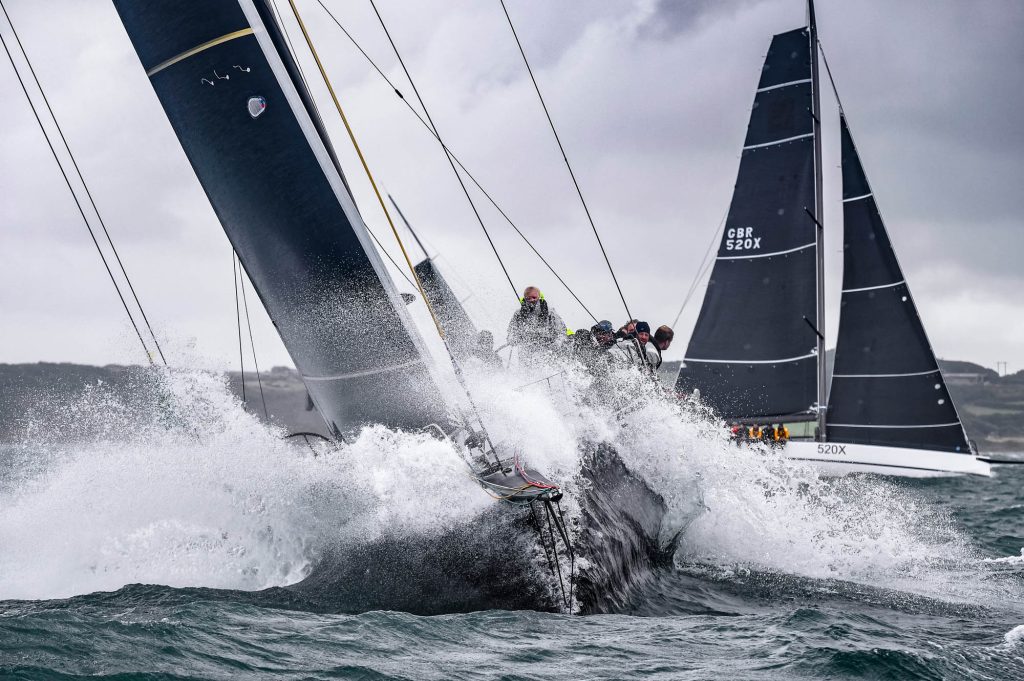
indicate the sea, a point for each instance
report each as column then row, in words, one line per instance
column 168, row 543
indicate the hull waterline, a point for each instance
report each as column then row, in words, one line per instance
column 835, row 458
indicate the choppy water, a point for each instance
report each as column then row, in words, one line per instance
column 131, row 549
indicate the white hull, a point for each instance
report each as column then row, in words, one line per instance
column 835, row 458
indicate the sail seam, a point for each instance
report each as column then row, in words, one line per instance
column 368, row 372
column 766, row 255
column 858, row 198
column 784, row 139
column 916, row 373
column 874, row 288
column 776, row 87
column 864, row 425
column 197, row 49
column 751, row 361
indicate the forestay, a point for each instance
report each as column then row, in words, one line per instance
column 247, row 125
column 886, row 385
column 753, row 350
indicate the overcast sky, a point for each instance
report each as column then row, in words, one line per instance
column 652, row 100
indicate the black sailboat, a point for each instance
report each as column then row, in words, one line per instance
column 247, row 122
column 757, row 350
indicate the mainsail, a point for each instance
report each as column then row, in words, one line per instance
column 247, row 123
column 753, row 351
column 886, row 385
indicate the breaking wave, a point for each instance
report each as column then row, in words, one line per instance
column 179, row 485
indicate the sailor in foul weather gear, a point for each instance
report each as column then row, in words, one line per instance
column 590, row 346
column 535, row 327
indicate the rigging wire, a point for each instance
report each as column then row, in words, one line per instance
column 447, row 156
column 565, row 158
column 88, row 226
column 394, row 229
column 252, row 345
column 455, row 158
column 302, row 75
column 705, row 264
column 238, row 322
column 366, row 167
column 88, row 193
column 831, row 80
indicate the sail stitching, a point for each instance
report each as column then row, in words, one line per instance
column 751, row 361
column 874, row 288
column 915, row 373
column 197, row 49
column 776, row 87
column 766, row 255
column 368, row 372
column 785, row 139
column 857, row 198
column 864, row 425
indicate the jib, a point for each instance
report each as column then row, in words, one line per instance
column 741, row 239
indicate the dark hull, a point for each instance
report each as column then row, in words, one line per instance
column 495, row 561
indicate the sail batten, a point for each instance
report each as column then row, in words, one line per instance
column 761, row 291
column 887, row 388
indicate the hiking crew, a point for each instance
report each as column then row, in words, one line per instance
column 535, row 328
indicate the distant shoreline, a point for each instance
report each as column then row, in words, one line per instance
column 991, row 406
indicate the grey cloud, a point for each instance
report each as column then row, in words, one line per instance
column 652, row 101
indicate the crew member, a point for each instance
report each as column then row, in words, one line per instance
column 590, row 346
column 535, row 327
column 634, row 349
column 662, row 340
column 483, row 349
column 626, row 330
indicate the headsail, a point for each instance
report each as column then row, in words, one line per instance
column 248, row 126
column 459, row 330
column 753, row 351
column 886, row 386
column 458, row 327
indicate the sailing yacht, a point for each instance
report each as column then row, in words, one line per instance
column 757, row 353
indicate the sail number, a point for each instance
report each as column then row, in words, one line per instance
column 831, row 449
column 741, row 239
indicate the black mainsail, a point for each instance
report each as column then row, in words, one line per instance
column 753, row 353
column 247, row 124
column 886, row 385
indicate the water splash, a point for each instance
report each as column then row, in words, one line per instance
column 196, row 492
column 176, row 484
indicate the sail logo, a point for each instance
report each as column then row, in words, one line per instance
column 741, row 239
column 257, row 105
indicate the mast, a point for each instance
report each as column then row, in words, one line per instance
column 819, row 217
